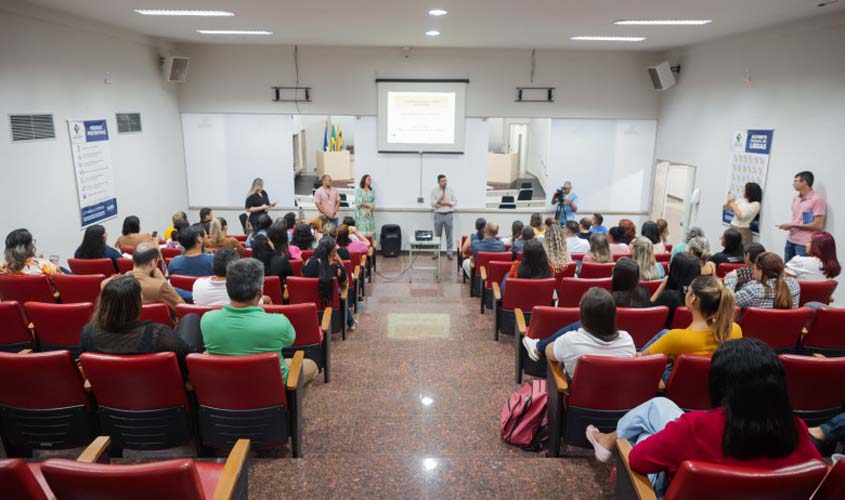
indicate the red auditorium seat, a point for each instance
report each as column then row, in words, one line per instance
column 545, row 321
column 814, row 384
column 689, row 383
column 78, row 288
column 240, row 237
column 33, row 288
column 124, row 265
column 577, row 256
column 826, row 334
column 359, row 261
column 92, row 266
column 127, row 250
column 307, row 291
column 184, row 309
column 183, row 282
column 519, row 294
column 780, row 328
column 664, row 257
column 681, row 319
column 493, row 272
column 572, row 289
column 43, row 403
column 273, row 289
column 22, row 481
column 14, row 332
column 592, row 270
column 481, row 260
column 833, row 486
column 296, row 265
column 312, row 334
column 141, row 400
column 57, row 326
column 817, row 291
column 652, row 285
column 307, row 254
column 668, row 248
column 169, row 253
column 371, row 258
column 641, row 323
column 182, row 479
column 157, row 313
column 724, row 268
column 352, row 275
column 228, row 395
column 598, row 395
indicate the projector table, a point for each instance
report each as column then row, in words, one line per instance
column 422, row 246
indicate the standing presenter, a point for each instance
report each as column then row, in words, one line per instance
column 257, row 201
column 443, row 202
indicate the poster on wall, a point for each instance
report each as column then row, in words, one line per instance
column 89, row 142
column 750, row 151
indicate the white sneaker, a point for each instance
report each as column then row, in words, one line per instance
column 602, row 453
column 531, row 346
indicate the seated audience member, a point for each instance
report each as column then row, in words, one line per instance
column 344, row 240
column 556, row 250
column 242, row 328
column 278, row 236
column 19, row 256
column 354, row 235
column 693, row 232
column 516, row 232
column 302, row 237
column 596, row 224
column 261, row 225
column 175, row 218
column 193, row 262
column 599, row 249
column 330, row 231
column 663, row 227
column 575, row 244
column 550, row 221
column 732, row 252
column 317, row 226
column 673, row 290
column 534, row 264
column 527, row 234
column 205, row 219
column 154, row 286
column 536, row 223
column 173, row 242
column 585, row 223
column 651, row 231
column 116, row 326
column 700, row 248
column 820, row 263
column 597, row 334
column 211, row 290
column 629, row 230
column 829, row 434
column 769, row 289
column 275, row 262
column 94, row 246
column 739, row 277
column 131, row 234
column 326, row 264
column 488, row 243
column 751, row 426
column 477, row 235
column 616, row 241
column 218, row 237
column 290, row 223
column 642, row 252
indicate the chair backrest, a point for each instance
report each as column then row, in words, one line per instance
column 356, row 257
column 482, row 258
column 597, row 384
column 496, row 271
column 593, row 270
column 700, row 480
column 652, row 285
column 724, row 268
column 183, row 282
column 307, row 290
column 273, row 289
column 75, row 288
column 229, row 382
column 814, row 385
column 165, row 480
column 42, row 380
column 349, row 268
column 817, row 291
column 571, row 290
column 183, row 310
column 14, row 334
column 157, row 313
column 826, row 333
column 307, row 254
column 127, row 250
column 92, row 266
column 17, row 482
column 296, row 266
column 247, row 252
column 527, row 293
column 57, row 326
column 124, row 265
column 833, row 486
column 31, row 288
column 304, row 319
column 780, row 328
column 577, row 256
column 546, row 320
column 664, row 257
column 240, row 237
column 641, row 323
column 169, row 253
column 689, row 383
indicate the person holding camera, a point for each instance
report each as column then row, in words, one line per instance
column 567, row 203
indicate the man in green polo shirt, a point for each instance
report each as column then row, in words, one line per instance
column 242, row 327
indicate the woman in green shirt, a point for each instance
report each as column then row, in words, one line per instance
column 365, row 202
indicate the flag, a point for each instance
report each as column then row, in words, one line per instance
column 339, row 138
column 333, row 140
column 326, row 137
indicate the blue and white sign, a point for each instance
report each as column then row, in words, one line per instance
column 89, row 142
column 750, row 150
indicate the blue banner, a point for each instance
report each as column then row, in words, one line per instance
column 99, row 212
column 759, row 142
column 96, row 130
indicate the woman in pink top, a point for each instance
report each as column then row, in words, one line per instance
column 344, row 241
column 615, row 239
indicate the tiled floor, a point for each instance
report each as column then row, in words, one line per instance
column 413, row 408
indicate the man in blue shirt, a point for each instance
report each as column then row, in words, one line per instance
column 193, row 262
column 567, row 204
column 597, row 225
column 488, row 244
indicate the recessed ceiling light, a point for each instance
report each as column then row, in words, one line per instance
column 609, row 38
column 437, row 12
column 663, row 22
column 432, row 33
column 234, row 32
column 201, row 13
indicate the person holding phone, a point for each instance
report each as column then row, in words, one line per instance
column 257, row 201
column 808, row 215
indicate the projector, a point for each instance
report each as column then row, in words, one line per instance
column 424, row 235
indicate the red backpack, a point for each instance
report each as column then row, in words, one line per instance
column 524, row 419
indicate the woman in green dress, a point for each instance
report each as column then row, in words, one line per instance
column 365, row 202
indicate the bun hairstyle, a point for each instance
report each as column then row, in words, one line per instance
column 700, row 247
column 717, row 304
column 771, row 268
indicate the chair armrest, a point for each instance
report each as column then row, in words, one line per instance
column 25, row 351
column 482, row 271
column 295, row 371
column 661, row 386
column 189, row 387
column 345, row 292
column 818, row 355
column 472, row 263
column 233, row 470
column 285, row 293
column 558, row 375
column 520, row 321
column 294, row 393
column 356, row 272
column 497, row 293
column 93, row 453
column 639, row 483
column 326, row 322
column 86, row 385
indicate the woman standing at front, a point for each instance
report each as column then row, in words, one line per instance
column 745, row 210
column 257, row 201
column 365, row 202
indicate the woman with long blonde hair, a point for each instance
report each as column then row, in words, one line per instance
column 642, row 251
column 556, row 251
column 218, row 237
column 599, row 250
column 257, row 201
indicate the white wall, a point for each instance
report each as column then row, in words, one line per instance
column 539, row 130
column 52, row 67
column 797, row 88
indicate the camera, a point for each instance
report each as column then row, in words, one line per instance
column 559, row 193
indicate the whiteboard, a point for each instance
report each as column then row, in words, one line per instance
column 609, row 162
column 225, row 152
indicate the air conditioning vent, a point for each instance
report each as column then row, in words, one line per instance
column 32, row 127
column 128, row 122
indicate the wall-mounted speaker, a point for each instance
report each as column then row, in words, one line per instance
column 663, row 76
column 176, row 68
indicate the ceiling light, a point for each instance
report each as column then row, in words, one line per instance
column 609, row 38
column 432, row 33
column 201, row 13
column 663, row 22
column 234, row 32
column 437, row 12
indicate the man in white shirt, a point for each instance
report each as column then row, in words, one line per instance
column 443, row 202
column 211, row 290
column 573, row 243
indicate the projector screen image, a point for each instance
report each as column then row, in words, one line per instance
column 421, row 117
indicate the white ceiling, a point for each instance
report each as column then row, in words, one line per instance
column 470, row 23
